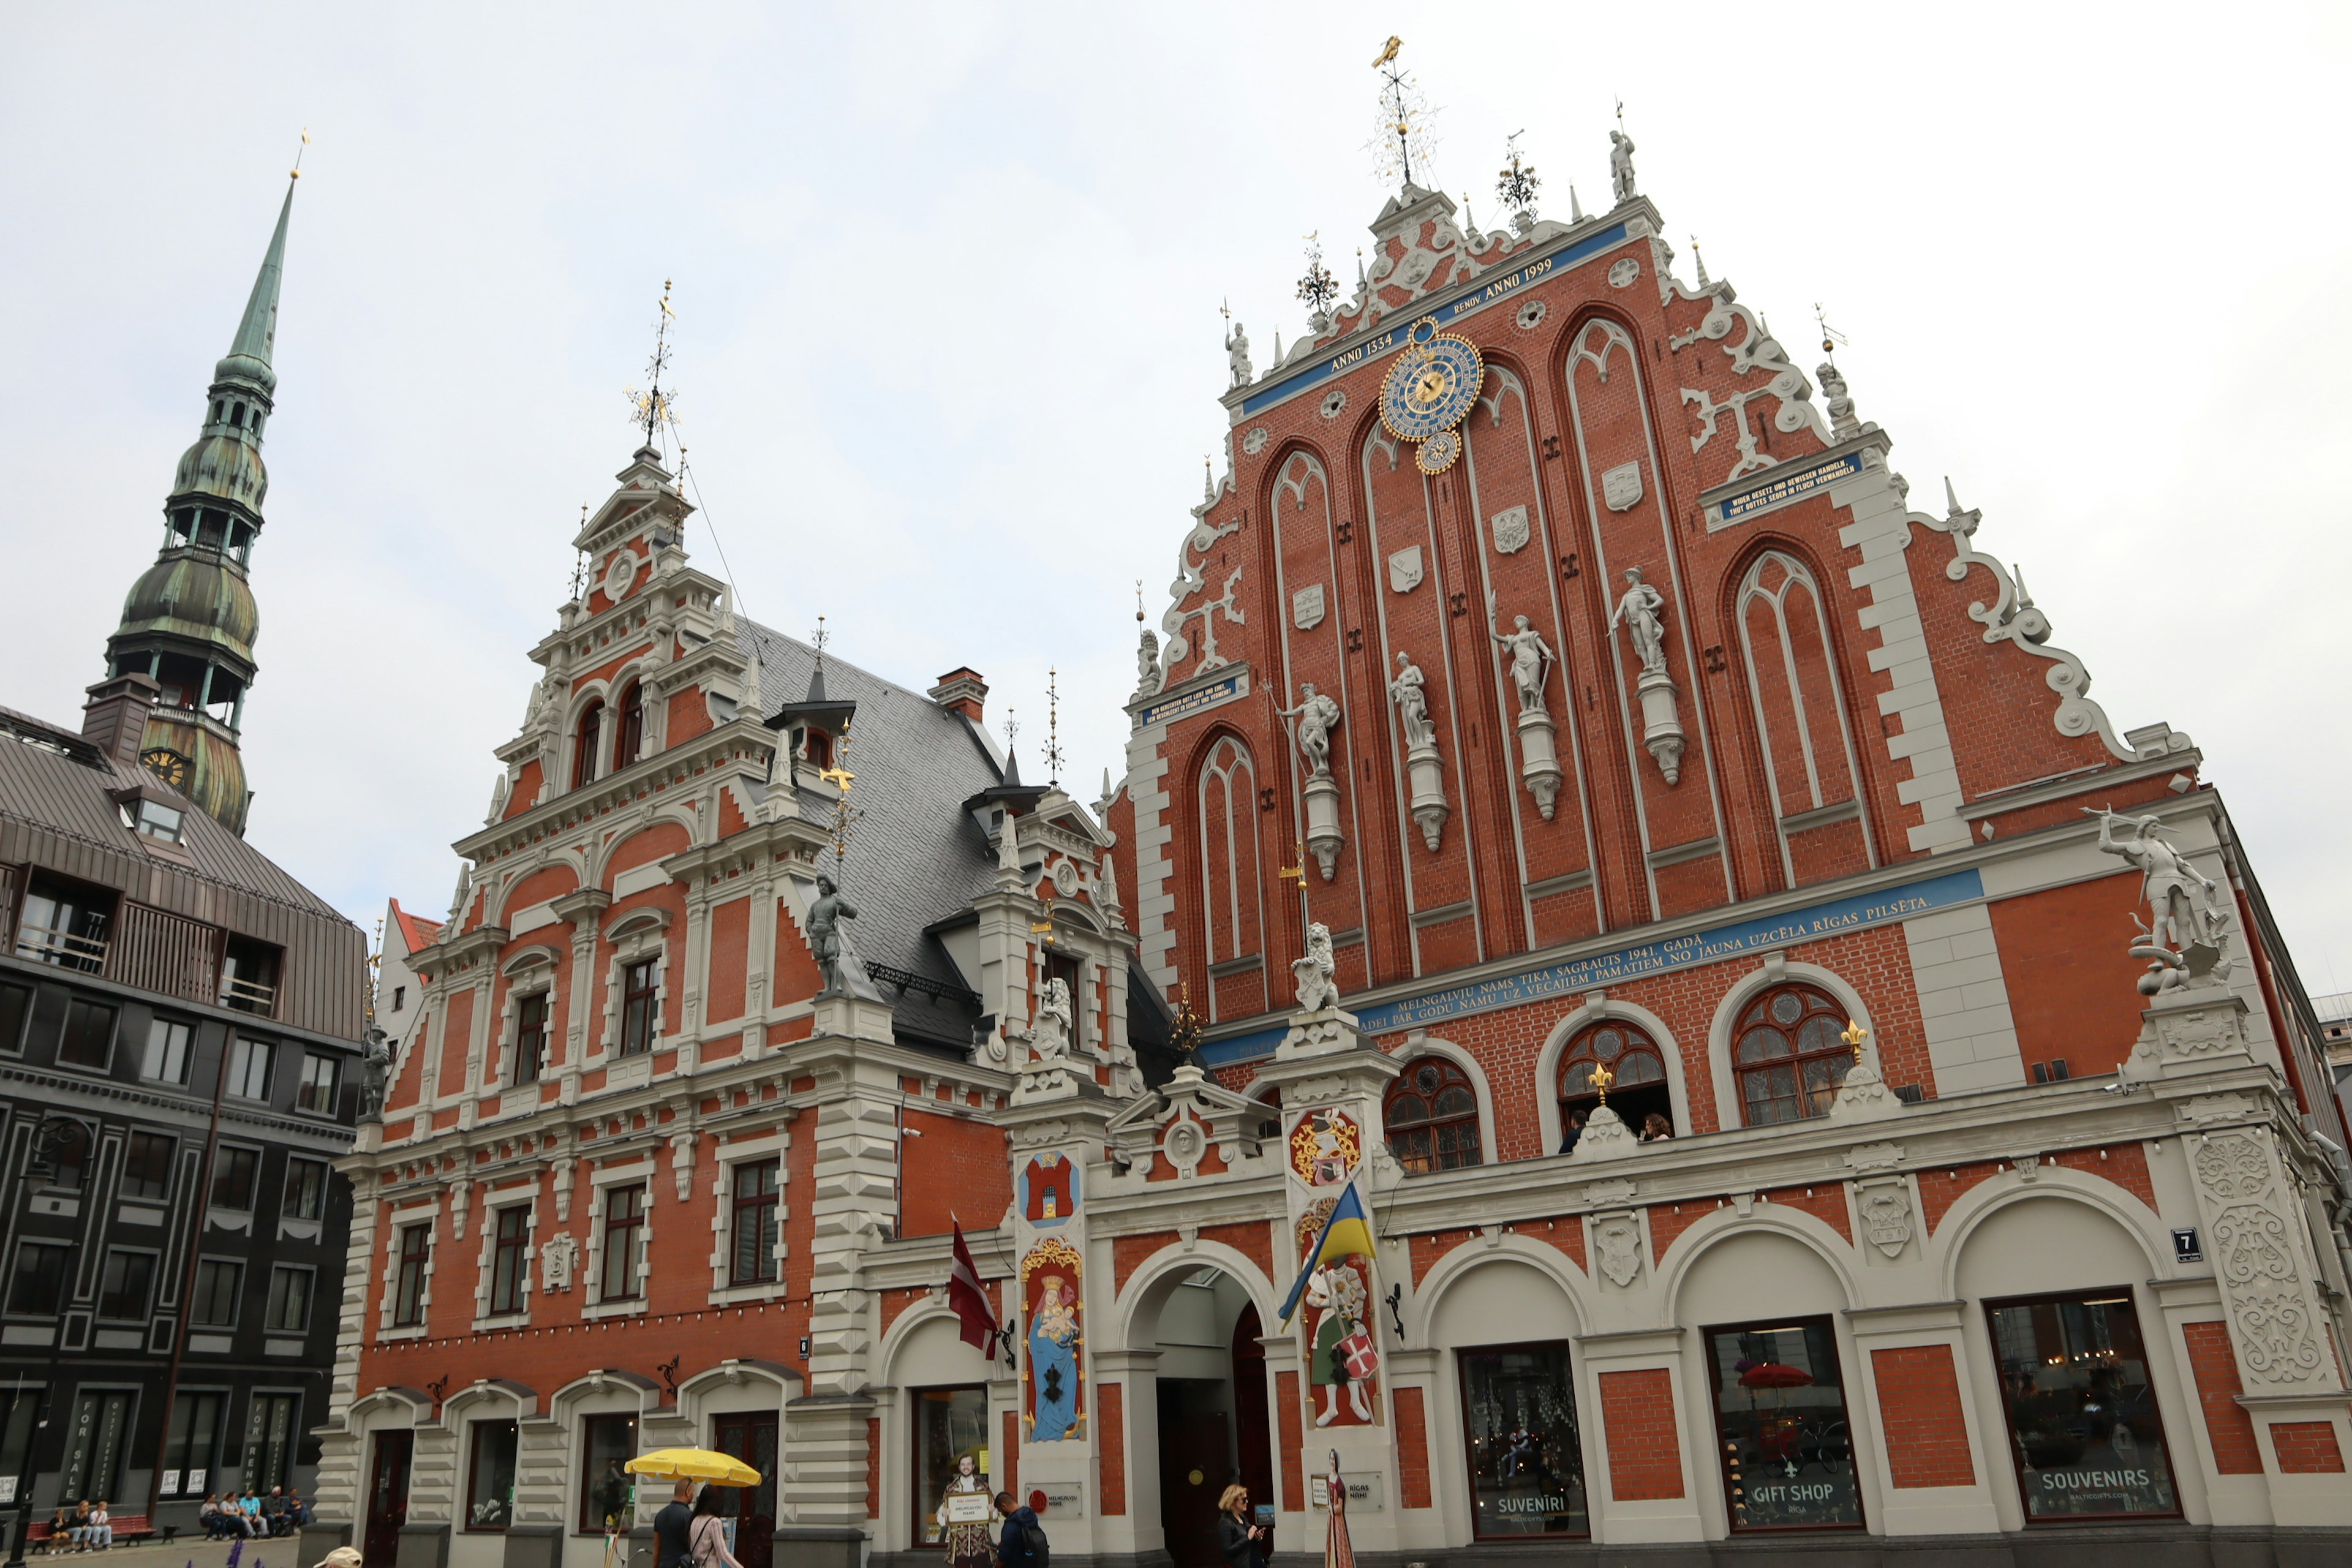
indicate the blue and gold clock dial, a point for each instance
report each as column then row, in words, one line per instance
column 1432, row 384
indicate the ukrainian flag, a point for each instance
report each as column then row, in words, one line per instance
column 1348, row 1231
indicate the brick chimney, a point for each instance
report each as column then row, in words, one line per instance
column 114, row 720
column 962, row 690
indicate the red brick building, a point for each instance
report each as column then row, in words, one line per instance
column 1694, row 956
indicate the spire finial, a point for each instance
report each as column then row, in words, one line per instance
column 1517, row 186
column 257, row 333
column 1053, row 727
column 651, row 407
column 1403, row 134
column 296, row 172
column 1700, row 262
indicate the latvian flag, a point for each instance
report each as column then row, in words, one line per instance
column 969, row 1298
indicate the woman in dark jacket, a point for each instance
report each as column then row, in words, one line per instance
column 1239, row 1538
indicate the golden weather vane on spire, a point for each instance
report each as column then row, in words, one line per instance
column 1403, row 137
column 651, row 408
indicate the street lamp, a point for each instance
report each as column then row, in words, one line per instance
column 50, row 1140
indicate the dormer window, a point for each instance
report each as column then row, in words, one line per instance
column 152, row 819
column 819, row 747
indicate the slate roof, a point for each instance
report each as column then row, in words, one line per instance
column 52, row 779
column 915, row 855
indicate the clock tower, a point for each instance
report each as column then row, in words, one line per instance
column 189, row 621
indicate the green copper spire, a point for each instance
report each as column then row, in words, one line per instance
column 190, row 620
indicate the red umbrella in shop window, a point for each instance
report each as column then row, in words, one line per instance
column 1774, row 1374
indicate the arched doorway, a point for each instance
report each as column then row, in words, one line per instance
column 1213, row 1422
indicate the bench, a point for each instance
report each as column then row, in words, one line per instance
column 128, row 1527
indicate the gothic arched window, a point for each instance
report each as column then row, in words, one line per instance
column 1789, row 1055
column 586, row 746
column 1233, row 918
column 631, row 738
column 1799, row 713
column 1431, row 1117
column 1637, row 1087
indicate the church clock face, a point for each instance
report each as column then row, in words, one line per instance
column 1432, row 384
column 166, row 764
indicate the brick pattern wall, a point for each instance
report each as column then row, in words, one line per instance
column 1127, row 1253
column 1824, row 1202
column 1254, row 1241
column 1568, row 1235
column 1110, row 1442
column 1412, row 1447
column 1939, row 1190
column 1637, row 1418
column 1919, row 1408
column 957, row 1164
column 1008, row 1457
column 2214, row 1367
column 2307, row 1448
column 873, row 1467
column 1668, row 1221
column 2125, row 1164
column 1288, row 1422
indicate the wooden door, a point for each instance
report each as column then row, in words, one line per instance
column 387, row 1498
column 751, row 1437
column 1195, row 1466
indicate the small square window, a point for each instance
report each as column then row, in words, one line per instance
column 123, row 1291
column 218, row 1282
column 319, row 1075
column 168, row 1048
column 249, row 1067
column 39, row 1279
column 306, row 1189
column 89, row 1039
column 147, row 1165
column 233, row 1170
column 152, row 819
column 289, row 1299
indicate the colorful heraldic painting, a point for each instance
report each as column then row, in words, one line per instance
column 1050, row 1276
column 1049, row 1190
column 1344, row 1372
column 1324, row 1149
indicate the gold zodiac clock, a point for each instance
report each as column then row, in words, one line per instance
column 1428, row 392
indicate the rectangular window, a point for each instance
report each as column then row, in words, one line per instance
column 89, row 1039
column 233, row 1170
column 306, row 1189
column 249, row 1067
column 189, row 1447
column 64, row 926
column 754, row 1249
column 640, row 989
column 1780, row 1428
column 219, row 1281
column 624, row 1223
column 122, row 1290
column 409, row 1283
column 490, row 1479
column 101, row 1421
column 66, row 1158
column 167, row 1051
column 289, row 1299
column 1527, row 1461
column 270, row 1436
column 147, row 1165
column 608, row 1494
column 949, row 1424
column 2083, row 1424
column 250, row 977
column 38, row 1284
column 15, row 1006
column 152, row 819
column 399, row 997
column 320, row 1074
column 530, row 1037
column 510, row 1245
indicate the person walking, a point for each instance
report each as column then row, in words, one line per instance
column 706, row 1535
column 1241, row 1540
column 1018, row 1546
column 672, row 1546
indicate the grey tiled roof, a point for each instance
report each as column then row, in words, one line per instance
column 915, row 855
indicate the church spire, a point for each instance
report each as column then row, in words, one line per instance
column 190, row 622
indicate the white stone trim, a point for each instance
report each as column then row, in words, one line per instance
column 776, row 1145
column 496, row 1202
column 638, row 1173
column 1964, row 1000
column 427, row 1214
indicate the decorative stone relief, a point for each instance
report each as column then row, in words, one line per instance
column 1312, row 973
column 556, row 1256
column 1306, row 607
column 1886, row 1220
column 1192, row 579
column 1335, row 403
column 1184, row 1144
column 1406, row 570
column 1617, row 1248
column 1254, row 442
column 1049, row 1035
column 1623, row 273
column 1621, row 487
column 1509, row 527
column 1531, row 315
column 2255, row 1253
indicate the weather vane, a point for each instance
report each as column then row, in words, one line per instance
column 1516, row 185
column 1403, row 135
column 1011, row 729
column 1139, row 601
column 1831, row 339
column 651, row 407
column 1053, row 727
column 296, row 172
column 817, row 639
column 845, row 816
column 1318, row 288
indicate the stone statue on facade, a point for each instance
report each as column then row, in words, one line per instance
column 1412, row 702
column 1639, row 610
column 1146, row 664
column 1237, row 355
column 1317, row 716
column 375, row 1066
column 2186, row 929
column 1313, row 972
column 1049, row 1036
column 828, row 943
column 1531, row 661
column 1620, row 165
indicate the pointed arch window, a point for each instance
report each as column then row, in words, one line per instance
column 631, row 738
column 1232, row 915
column 587, row 745
column 1430, row 1112
column 1789, row 1054
column 1800, row 714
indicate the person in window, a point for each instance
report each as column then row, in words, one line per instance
column 707, row 1536
column 1656, row 1128
column 1575, row 1130
column 1240, row 1539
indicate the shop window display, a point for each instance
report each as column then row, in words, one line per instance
column 1526, row 1463
column 949, row 1422
column 1781, row 1426
column 2083, row 1424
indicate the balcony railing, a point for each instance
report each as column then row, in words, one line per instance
column 63, row 949
column 155, row 950
column 248, row 996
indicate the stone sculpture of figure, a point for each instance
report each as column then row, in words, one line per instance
column 1049, row 1036
column 1621, row 163
column 1317, row 716
column 1237, row 355
column 375, row 1064
column 555, row 1260
column 2180, row 910
column 1312, row 973
column 1531, row 661
column 1147, row 663
column 1412, row 703
column 1639, row 610
column 827, row 942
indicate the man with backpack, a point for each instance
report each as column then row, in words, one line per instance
column 1023, row 1544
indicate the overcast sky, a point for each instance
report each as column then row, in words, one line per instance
column 947, row 282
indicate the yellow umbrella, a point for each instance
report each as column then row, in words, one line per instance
column 694, row 1465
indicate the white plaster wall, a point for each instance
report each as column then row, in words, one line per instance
column 1963, row 1001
